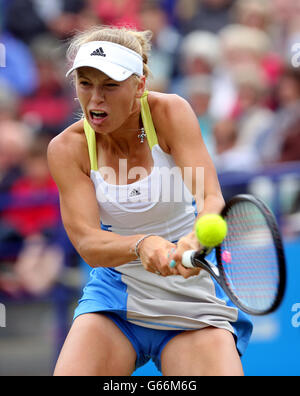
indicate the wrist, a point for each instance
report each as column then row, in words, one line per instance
column 139, row 244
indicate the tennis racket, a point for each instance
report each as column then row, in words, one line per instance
column 250, row 260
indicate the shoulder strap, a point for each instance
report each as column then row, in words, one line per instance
column 91, row 142
column 147, row 121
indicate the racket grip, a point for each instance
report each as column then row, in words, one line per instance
column 187, row 259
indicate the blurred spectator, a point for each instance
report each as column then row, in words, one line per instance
column 184, row 12
column 23, row 20
column 20, row 72
column 253, row 13
column 33, row 217
column 200, row 52
column 199, row 55
column 27, row 19
column 199, row 91
column 228, row 156
column 33, row 213
column 284, row 12
column 3, row 6
column 290, row 148
column 38, row 266
column 240, row 46
column 14, row 139
column 170, row 7
column 270, row 144
column 250, row 111
column 165, row 44
column 9, row 103
column 74, row 15
column 293, row 40
column 49, row 107
column 209, row 15
column 118, row 12
column 258, row 14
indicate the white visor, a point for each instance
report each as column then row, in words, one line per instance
column 114, row 60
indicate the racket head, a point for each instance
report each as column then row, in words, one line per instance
column 251, row 258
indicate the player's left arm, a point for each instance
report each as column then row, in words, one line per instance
column 181, row 133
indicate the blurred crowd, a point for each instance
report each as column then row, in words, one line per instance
column 233, row 60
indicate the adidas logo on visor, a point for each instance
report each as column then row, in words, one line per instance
column 98, row 52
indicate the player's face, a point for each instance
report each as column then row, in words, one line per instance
column 107, row 104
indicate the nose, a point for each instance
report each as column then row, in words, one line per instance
column 98, row 95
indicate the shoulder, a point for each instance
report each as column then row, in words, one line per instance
column 69, row 148
column 172, row 116
column 165, row 104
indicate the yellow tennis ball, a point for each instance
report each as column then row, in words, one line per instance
column 211, row 229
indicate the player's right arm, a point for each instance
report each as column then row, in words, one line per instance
column 68, row 160
column 68, row 163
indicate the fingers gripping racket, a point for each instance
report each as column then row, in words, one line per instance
column 250, row 260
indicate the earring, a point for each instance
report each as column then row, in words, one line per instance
column 142, row 135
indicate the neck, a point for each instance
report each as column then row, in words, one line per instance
column 124, row 140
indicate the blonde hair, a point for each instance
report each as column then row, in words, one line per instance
column 139, row 42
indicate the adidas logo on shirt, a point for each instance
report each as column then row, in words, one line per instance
column 98, row 52
column 134, row 193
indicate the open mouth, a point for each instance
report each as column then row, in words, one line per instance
column 98, row 115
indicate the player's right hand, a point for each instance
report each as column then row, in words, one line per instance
column 155, row 253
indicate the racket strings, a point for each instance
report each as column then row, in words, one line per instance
column 249, row 257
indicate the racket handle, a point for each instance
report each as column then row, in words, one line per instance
column 187, row 258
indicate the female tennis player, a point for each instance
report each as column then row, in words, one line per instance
column 130, row 183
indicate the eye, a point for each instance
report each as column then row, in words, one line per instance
column 112, row 85
column 84, row 83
